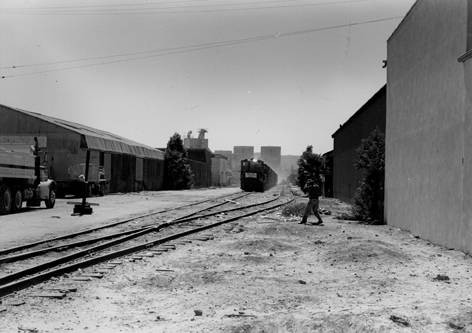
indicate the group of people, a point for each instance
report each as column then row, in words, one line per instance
column 313, row 190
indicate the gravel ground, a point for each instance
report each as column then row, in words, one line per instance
column 268, row 274
column 33, row 224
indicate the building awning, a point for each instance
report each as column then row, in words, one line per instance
column 113, row 146
column 95, row 139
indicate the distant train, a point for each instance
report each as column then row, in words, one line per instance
column 256, row 176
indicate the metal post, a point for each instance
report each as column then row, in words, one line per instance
column 87, row 162
column 84, row 207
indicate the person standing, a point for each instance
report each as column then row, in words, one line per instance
column 314, row 191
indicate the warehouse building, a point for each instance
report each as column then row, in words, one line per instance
column 126, row 165
column 200, row 163
column 221, row 174
column 349, row 137
column 428, row 174
column 226, row 153
column 327, row 174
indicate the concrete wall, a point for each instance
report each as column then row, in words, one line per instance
column 426, row 113
column 240, row 153
column 349, row 137
column 272, row 156
column 220, row 171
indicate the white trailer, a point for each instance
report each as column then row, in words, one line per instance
column 22, row 179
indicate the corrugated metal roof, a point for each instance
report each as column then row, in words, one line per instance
column 100, row 140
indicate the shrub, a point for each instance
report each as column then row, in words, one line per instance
column 309, row 167
column 177, row 174
column 369, row 197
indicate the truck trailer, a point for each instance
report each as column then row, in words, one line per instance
column 22, row 178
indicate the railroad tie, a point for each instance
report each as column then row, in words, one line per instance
column 14, row 302
column 202, row 239
column 81, row 278
column 160, row 250
column 93, row 275
column 56, row 295
column 71, row 289
column 102, row 271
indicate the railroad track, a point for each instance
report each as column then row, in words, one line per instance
column 114, row 224
column 23, row 270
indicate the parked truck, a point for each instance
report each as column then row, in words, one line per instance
column 23, row 179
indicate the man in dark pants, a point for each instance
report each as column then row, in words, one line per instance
column 314, row 191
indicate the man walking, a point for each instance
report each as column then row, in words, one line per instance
column 314, row 191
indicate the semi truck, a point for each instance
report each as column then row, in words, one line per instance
column 23, row 178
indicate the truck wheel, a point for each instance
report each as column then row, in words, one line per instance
column 51, row 200
column 17, row 201
column 5, row 199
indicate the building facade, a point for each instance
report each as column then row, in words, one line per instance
column 272, row 156
column 241, row 153
column 349, row 137
column 429, row 124
column 221, row 174
column 200, row 163
column 127, row 165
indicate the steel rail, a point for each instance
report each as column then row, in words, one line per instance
column 58, row 261
column 30, row 254
column 24, row 283
column 109, row 225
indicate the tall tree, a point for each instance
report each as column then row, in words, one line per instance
column 369, row 196
column 309, row 167
column 177, row 174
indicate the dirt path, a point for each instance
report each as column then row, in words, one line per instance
column 270, row 274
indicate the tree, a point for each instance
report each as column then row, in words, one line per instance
column 177, row 172
column 369, row 196
column 309, row 167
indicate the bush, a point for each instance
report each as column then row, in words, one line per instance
column 309, row 167
column 369, row 196
column 177, row 174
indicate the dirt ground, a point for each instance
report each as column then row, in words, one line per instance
column 269, row 274
column 33, row 224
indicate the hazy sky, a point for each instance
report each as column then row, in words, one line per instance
column 134, row 73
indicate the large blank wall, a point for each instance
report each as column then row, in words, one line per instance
column 425, row 124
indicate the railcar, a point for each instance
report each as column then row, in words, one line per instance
column 256, row 176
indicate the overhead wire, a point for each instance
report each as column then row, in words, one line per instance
column 178, row 9
column 139, row 4
column 202, row 46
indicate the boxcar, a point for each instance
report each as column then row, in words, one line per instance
column 256, row 176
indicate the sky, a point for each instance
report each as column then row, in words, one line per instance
column 261, row 73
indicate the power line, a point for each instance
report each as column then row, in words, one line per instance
column 137, row 5
column 59, row 62
column 176, row 10
column 204, row 46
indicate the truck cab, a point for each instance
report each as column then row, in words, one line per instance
column 22, row 178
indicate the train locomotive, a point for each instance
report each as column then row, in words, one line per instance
column 256, row 176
